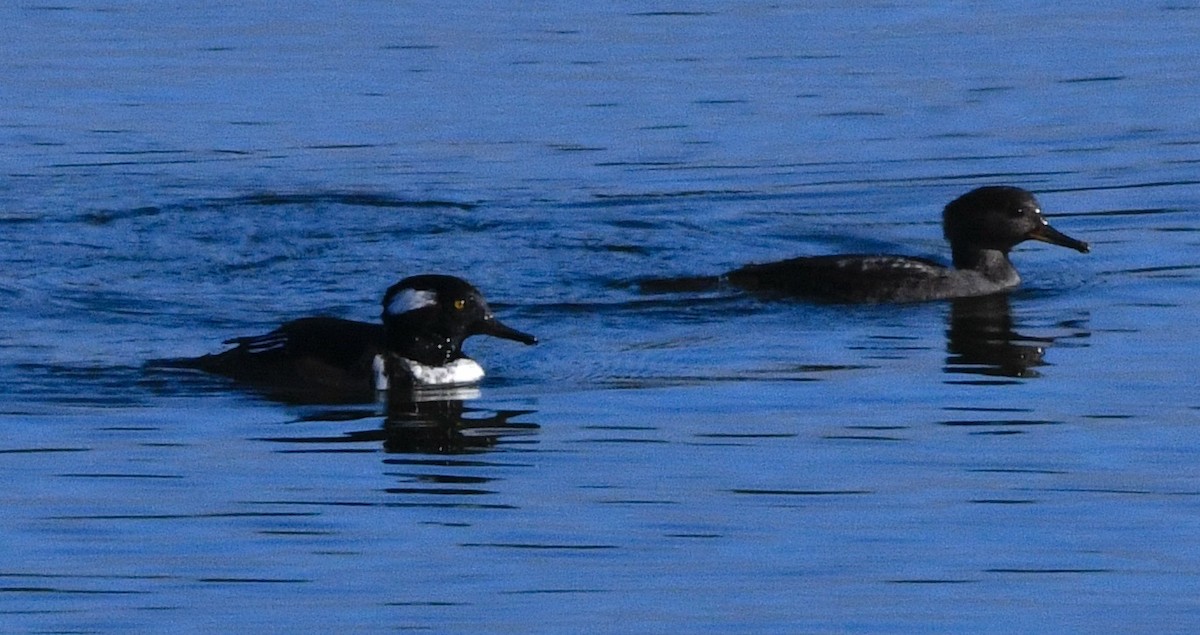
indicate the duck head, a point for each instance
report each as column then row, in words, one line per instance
column 427, row 318
column 998, row 218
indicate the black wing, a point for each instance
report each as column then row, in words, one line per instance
column 333, row 341
column 300, row 351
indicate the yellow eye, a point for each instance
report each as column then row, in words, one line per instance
column 459, row 304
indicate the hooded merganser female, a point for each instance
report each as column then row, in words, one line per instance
column 426, row 318
column 982, row 227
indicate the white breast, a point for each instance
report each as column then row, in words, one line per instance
column 460, row 372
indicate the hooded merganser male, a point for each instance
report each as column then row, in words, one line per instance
column 426, row 318
column 982, row 227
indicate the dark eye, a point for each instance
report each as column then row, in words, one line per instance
column 1018, row 212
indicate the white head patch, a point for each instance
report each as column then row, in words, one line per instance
column 410, row 300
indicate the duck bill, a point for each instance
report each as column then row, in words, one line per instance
column 491, row 326
column 1048, row 234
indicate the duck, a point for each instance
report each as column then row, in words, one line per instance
column 425, row 320
column 982, row 226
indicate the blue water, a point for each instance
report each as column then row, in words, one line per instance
column 709, row 462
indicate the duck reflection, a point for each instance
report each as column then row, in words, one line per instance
column 425, row 422
column 440, row 423
column 981, row 340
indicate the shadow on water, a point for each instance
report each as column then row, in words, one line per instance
column 448, row 427
column 981, row 339
column 427, row 421
column 426, row 434
column 318, row 199
column 430, row 423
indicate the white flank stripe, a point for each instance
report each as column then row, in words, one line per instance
column 380, row 369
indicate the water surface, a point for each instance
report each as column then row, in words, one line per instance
column 701, row 462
